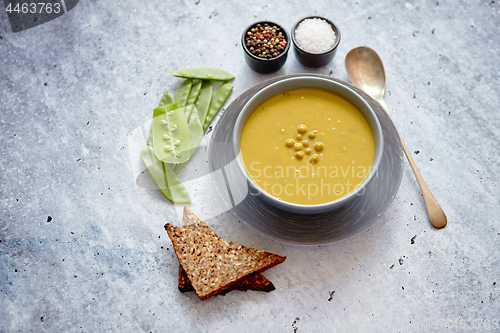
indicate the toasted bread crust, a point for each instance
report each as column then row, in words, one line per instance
column 213, row 264
column 257, row 282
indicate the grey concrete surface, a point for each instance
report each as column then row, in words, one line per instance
column 82, row 244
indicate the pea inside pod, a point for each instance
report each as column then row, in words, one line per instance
column 204, row 73
column 171, row 140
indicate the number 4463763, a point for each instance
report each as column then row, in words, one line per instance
column 476, row 324
column 32, row 8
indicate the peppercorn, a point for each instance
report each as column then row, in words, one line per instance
column 265, row 41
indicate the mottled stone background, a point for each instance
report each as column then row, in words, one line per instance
column 82, row 244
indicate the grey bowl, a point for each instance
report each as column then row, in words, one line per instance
column 298, row 82
column 273, row 223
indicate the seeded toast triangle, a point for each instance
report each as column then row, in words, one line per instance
column 255, row 281
column 213, row 264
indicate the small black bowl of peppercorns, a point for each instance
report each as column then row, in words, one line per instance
column 265, row 45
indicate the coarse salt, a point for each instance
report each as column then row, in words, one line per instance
column 315, row 35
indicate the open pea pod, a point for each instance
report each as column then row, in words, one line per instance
column 164, row 177
column 171, row 140
column 218, row 98
column 204, row 73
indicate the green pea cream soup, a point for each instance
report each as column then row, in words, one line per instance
column 307, row 146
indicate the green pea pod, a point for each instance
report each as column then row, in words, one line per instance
column 179, row 192
column 204, row 73
column 194, row 93
column 203, row 101
column 170, row 134
column 150, row 136
column 164, row 177
column 218, row 98
column 182, row 93
column 195, row 133
column 193, row 97
column 187, row 110
column 166, row 99
column 155, row 169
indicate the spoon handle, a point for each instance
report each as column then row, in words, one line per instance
column 436, row 215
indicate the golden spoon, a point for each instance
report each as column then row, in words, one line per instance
column 366, row 71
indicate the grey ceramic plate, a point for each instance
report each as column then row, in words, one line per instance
column 295, row 228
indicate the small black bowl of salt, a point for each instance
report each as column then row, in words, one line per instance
column 315, row 41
